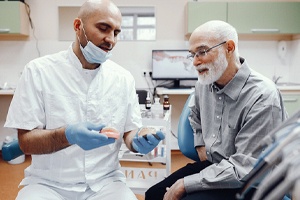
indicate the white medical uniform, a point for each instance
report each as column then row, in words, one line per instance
column 54, row 91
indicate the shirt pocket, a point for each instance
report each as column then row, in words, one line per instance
column 229, row 137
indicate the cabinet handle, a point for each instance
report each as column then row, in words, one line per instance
column 289, row 100
column 4, row 30
column 264, row 30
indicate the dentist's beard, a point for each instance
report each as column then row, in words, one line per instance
column 216, row 70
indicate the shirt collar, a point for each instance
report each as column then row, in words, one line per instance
column 214, row 87
column 73, row 58
column 235, row 86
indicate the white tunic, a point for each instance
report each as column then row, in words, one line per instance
column 54, row 91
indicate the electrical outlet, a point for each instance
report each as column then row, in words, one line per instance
column 146, row 73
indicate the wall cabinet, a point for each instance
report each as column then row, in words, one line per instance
column 291, row 102
column 265, row 17
column 275, row 18
column 14, row 20
column 198, row 13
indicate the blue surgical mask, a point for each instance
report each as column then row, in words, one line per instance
column 92, row 53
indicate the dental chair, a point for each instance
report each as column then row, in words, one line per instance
column 185, row 133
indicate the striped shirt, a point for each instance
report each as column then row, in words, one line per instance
column 230, row 122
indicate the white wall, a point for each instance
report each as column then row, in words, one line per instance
column 295, row 61
column 134, row 56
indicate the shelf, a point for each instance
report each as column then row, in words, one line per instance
column 289, row 88
column 132, row 157
column 7, row 92
column 156, row 156
column 139, row 179
column 162, row 91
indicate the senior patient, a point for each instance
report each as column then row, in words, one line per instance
column 61, row 103
column 233, row 108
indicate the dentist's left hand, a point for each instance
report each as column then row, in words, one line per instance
column 143, row 145
column 87, row 136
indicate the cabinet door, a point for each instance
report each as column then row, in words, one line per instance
column 265, row 17
column 13, row 18
column 291, row 103
column 201, row 12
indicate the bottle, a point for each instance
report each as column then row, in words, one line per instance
column 148, row 102
column 157, row 108
column 138, row 98
column 166, row 103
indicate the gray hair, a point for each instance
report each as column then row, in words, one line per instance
column 223, row 32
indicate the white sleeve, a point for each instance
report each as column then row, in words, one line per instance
column 26, row 110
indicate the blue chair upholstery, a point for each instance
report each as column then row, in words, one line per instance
column 185, row 133
column 11, row 150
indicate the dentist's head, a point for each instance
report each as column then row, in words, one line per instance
column 97, row 27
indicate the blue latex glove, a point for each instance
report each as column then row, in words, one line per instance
column 143, row 145
column 87, row 136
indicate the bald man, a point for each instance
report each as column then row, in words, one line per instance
column 61, row 104
column 233, row 108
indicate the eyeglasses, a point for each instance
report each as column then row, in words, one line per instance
column 202, row 52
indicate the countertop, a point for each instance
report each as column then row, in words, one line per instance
column 7, row 92
column 290, row 87
column 282, row 87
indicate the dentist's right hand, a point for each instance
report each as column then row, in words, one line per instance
column 87, row 136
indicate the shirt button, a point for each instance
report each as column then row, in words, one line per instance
column 218, row 116
column 214, row 135
column 207, row 153
column 220, row 98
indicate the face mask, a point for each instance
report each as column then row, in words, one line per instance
column 92, row 53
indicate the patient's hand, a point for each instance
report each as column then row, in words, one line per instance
column 201, row 153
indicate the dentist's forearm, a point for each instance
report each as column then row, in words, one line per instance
column 40, row 141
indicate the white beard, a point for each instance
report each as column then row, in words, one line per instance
column 215, row 70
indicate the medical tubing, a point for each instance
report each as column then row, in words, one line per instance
column 250, row 180
column 296, row 190
column 295, row 118
column 275, row 177
column 265, row 153
column 268, row 162
column 273, row 156
column 275, row 144
column 273, row 136
column 286, row 185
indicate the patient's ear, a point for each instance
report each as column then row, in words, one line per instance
column 230, row 46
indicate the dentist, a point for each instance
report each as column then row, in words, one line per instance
column 63, row 101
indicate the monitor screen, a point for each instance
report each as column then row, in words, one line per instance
column 172, row 65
